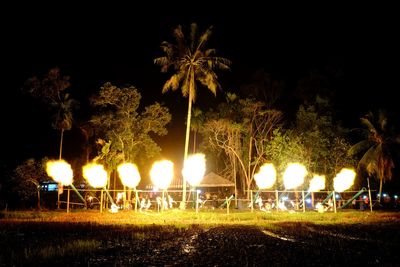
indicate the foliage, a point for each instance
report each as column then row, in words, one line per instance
column 314, row 140
column 378, row 147
column 241, row 129
column 192, row 62
column 129, row 132
column 27, row 177
column 52, row 90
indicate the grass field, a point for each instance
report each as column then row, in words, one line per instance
column 184, row 238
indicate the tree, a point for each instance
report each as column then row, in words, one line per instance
column 52, row 90
column 27, row 178
column 192, row 62
column 127, row 131
column 241, row 128
column 377, row 147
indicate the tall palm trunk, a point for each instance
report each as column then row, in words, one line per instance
column 380, row 190
column 38, row 197
column 187, row 144
column 61, row 143
column 194, row 141
column 60, row 186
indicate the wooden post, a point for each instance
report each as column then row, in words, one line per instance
column 277, row 199
column 227, row 205
column 251, row 200
column 304, row 201
column 68, row 200
column 101, row 201
column 197, row 201
column 334, row 201
column 136, row 199
column 162, row 201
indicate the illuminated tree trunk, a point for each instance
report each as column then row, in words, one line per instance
column 194, row 141
column 61, row 144
column 38, row 196
column 380, row 190
column 186, row 145
column 60, row 186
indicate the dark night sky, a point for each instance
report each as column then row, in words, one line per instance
column 118, row 45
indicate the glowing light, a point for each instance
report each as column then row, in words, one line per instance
column 317, row 183
column 384, row 195
column 266, row 176
column 308, row 200
column 129, row 174
column 194, row 169
column 294, row 175
column 60, row 171
column 95, row 175
column 344, row 180
column 162, row 173
column 395, row 196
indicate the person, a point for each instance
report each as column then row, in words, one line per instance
column 171, row 201
column 361, row 202
column 366, row 202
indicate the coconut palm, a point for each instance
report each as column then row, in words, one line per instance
column 377, row 148
column 52, row 90
column 192, row 63
column 63, row 117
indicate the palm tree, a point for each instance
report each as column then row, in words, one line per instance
column 52, row 90
column 63, row 118
column 192, row 63
column 377, row 148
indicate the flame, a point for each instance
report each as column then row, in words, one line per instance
column 266, row 176
column 95, row 175
column 317, row 183
column 194, row 169
column 60, row 171
column 294, row 175
column 344, row 180
column 162, row 173
column 129, row 174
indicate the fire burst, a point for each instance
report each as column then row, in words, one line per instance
column 194, row 169
column 129, row 174
column 294, row 175
column 162, row 173
column 344, row 180
column 317, row 183
column 95, row 175
column 266, row 176
column 60, row 171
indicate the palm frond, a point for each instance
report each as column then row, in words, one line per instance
column 382, row 120
column 368, row 158
column 359, row 147
column 173, row 82
column 193, row 35
column 204, row 38
column 209, row 80
column 210, row 52
column 368, row 124
column 221, row 63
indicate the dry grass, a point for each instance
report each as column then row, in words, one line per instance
column 203, row 218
